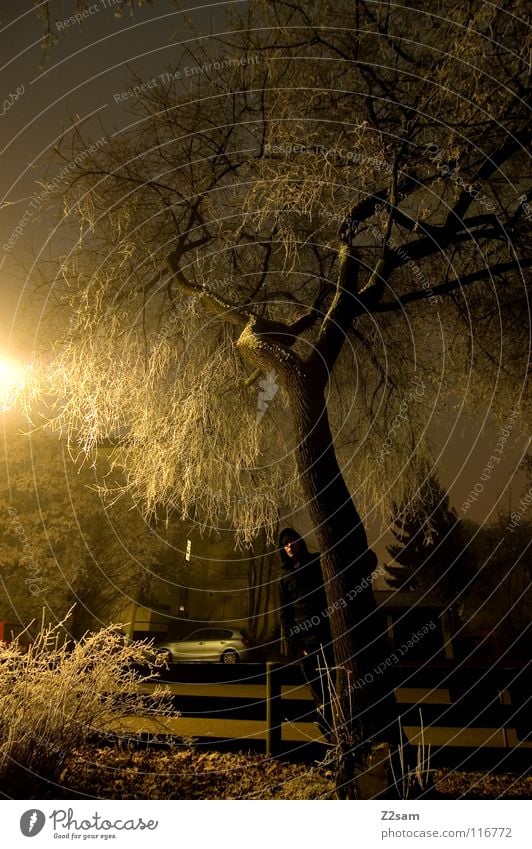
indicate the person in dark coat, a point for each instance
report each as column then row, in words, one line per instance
column 304, row 617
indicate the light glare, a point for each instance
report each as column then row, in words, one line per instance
column 13, row 378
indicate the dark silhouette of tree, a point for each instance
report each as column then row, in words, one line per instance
column 431, row 554
column 498, row 604
column 263, row 596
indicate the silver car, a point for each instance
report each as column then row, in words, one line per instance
column 225, row 645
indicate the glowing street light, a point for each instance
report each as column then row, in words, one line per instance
column 13, row 379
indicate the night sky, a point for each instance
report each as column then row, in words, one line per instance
column 80, row 79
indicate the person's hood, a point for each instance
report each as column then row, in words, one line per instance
column 293, row 534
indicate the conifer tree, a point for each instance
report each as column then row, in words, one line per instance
column 431, row 555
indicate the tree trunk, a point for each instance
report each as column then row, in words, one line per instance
column 357, row 625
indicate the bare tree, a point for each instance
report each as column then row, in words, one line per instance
column 329, row 196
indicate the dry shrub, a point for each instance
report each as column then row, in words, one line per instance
column 57, row 695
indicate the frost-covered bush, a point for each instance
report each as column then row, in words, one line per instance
column 56, row 695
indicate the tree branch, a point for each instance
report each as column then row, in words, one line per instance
column 364, row 209
column 309, row 319
column 238, row 316
column 450, row 286
column 487, row 169
column 446, row 235
column 339, row 316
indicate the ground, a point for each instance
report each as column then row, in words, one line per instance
column 195, row 773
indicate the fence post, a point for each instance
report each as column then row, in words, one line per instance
column 504, row 699
column 273, row 709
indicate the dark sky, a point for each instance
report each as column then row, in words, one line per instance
column 90, row 64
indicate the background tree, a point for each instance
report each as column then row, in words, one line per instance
column 333, row 195
column 498, row 604
column 263, row 594
column 432, row 554
column 61, row 545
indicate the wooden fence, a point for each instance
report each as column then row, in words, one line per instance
column 470, row 715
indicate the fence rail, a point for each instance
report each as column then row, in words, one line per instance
column 465, row 712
